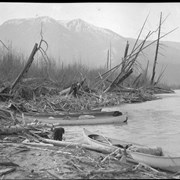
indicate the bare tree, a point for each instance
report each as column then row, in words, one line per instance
column 156, row 53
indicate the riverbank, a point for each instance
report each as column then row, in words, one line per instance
column 29, row 158
column 53, row 162
column 50, row 162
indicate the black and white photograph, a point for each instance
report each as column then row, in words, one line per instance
column 89, row 90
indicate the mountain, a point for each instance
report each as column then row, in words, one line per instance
column 78, row 41
column 69, row 41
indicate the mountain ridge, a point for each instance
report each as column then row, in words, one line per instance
column 79, row 41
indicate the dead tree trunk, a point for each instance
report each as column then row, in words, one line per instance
column 126, row 50
column 27, row 66
column 108, row 59
column 125, row 76
column 110, row 56
column 128, row 67
column 156, row 54
column 125, row 54
column 135, row 83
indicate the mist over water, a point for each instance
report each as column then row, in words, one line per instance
column 153, row 123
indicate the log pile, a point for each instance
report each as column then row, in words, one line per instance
column 39, row 157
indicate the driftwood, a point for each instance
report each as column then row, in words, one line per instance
column 8, row 164
column 73, row 89
column 70, row 144
column 14, row 129
column 11, row 129
column 110, row 171
column 53, row 174
column 6, row 171
column 66, row 144
column 65, row 91
column 110, row 155
column 149, row 168
column 37, row 144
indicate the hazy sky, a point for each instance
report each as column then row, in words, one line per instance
column 125, row 19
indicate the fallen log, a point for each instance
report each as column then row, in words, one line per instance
column 37, row 144
column 8, row 164
column 6, row 171
column 11, row 129
column 71, row 144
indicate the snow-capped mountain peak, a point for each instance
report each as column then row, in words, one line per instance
column 80, row 26
column 14, row 21
column 44, row 19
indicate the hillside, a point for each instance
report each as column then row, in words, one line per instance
column 79, row 41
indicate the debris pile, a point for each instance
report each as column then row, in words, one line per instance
column 50, row 98
column 26, row 154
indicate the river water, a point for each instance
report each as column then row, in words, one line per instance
column 152, row 123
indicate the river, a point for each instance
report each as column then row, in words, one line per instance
column 152, row 123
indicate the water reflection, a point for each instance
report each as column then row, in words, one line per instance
column 154, row 123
